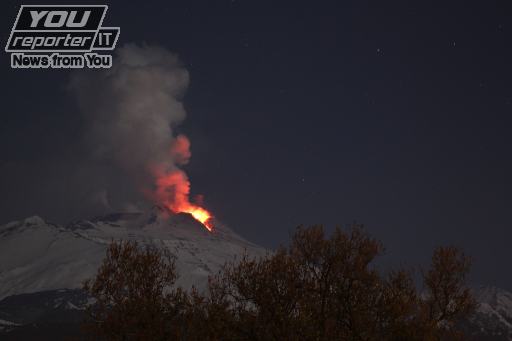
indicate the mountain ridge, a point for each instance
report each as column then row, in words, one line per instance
column 43, row 265
column 36, row 255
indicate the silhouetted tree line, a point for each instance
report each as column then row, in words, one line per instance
column 318, row 288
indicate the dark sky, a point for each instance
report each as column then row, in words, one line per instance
column 394, row 115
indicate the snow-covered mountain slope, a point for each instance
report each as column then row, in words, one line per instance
column 36, row 255
column 493, row 317
column 42, row 264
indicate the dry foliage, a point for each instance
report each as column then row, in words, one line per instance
column 133, row 300
column 319, row 288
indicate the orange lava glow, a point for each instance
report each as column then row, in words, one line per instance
column 201, row 215
column 172, row 191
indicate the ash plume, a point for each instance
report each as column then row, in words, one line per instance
column 130, row 111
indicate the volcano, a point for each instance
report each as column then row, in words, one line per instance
column 36, row 255
column 43, row 265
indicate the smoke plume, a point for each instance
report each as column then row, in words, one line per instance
column 130, row 111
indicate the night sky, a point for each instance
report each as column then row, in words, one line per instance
column 394, row 115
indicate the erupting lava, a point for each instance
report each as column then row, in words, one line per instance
column 201, row 215
column 131, row 111
column 172, row 191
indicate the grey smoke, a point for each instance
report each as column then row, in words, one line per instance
column 130, row 111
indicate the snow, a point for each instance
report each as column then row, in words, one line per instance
column 7, row 323
column 71, row 306
column 494, row 311
column 36, row 255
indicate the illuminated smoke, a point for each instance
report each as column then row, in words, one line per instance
column 130, row 111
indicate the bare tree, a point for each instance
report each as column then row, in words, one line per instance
column 134, row 299
column 318, row 288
